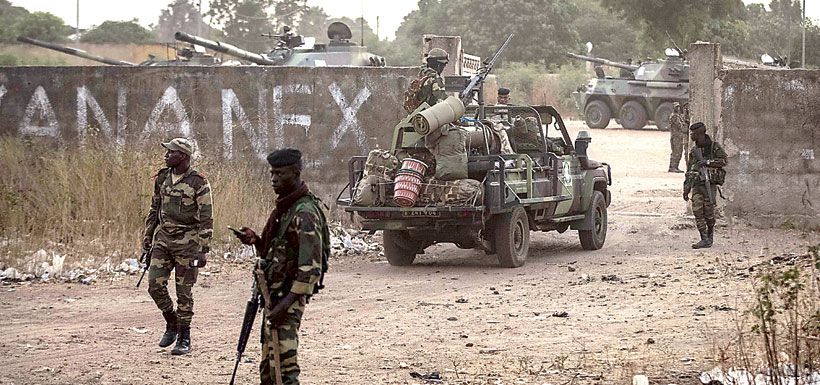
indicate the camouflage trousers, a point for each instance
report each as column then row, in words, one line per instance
column 288, row 334
column 163, row 262
column 703, row 210
column 677, row 140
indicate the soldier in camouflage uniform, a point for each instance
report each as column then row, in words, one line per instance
column 678, row 129
column 429, row 86
column 714, row 160
column 292, row 253
column 178, row 230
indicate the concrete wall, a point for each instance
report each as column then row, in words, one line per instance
column 231, row 112
column 769, row 123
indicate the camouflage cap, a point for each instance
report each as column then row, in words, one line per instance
column 180, row 144
column 438, row 54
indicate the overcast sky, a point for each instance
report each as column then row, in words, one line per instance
column 390, row 12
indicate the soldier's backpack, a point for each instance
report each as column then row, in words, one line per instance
column 413, row 95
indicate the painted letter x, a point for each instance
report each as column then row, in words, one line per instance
column 349, row 120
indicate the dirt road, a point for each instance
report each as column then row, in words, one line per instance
column 645, row 303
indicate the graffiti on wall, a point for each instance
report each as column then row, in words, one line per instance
column 169, row 115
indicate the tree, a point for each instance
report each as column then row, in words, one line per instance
column 287, row 12
column 121, row 32
column 611, row 36
column 9, row 16
column 180, row 15
column 245, row 28
column 313, row 23
column 684, row 20
column 42, row 26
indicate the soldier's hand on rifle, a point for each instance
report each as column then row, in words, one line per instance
column 686, row 194
column 247, row 236
column 200, row 260
column 146, row 244
column 703, row 163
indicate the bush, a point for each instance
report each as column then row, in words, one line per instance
column 8, row 60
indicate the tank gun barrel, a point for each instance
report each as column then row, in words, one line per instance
column 603, row 61
column 73, row 51
column 225, row 48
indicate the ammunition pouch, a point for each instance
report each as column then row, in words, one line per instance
column 716, row 175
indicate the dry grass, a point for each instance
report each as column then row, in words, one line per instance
column 90, row 203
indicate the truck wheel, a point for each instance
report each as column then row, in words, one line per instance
column 633, row 115
column 662, row 116
column 398, row 248
column 594, row 239
column 512, row 237
column 597, row 114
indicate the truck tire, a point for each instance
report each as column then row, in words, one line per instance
column 398, row 248
column 633, row 115
column 511, row 233
column 662, row 116
column 597, row 114
column 594, row 239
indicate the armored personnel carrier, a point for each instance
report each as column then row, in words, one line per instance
column 534, row 182
column 645, row 93
column 296, row 51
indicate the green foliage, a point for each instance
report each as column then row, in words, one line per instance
column 314, row 23
column 542, row 28
column 247, row 25
column 519, row 78
column 611, row 36
column 8, row 60
column 181, row 15
column 121, row 32
column 570, row 76
column 17, row 21
column 684, row 20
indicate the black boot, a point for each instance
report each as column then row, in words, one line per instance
column 675, row 169
column 183, row 345
column 170, row 329
column 710, row 231
column 704, row 242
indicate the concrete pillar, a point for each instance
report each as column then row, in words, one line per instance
column 705, row 62
column 451, row 45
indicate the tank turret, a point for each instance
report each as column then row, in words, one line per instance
column 73, row 51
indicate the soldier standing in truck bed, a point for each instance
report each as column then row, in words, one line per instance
column 429, row 86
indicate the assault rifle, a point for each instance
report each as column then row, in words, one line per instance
column 145, row 260
column 466, row 96
column 251, row 308
column 704, row 174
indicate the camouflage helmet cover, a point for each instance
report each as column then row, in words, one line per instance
column 438, row 54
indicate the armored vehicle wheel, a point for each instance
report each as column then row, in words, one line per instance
column 594, row 239
column 597, row 114
column 511, row 232
column 398, row 248
column 633, row 115
column 662, row 116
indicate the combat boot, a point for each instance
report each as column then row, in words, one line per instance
column 675, row 169
column 183, row 345
column 710, row 231
column 704, row 240
column 170, row 329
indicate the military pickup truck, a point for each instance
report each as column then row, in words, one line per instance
column 551, row 185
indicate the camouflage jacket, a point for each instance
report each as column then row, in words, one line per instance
column 714, row 154
column 293, row 262
column 181, row 214
column 678, row 122
column 432, row 91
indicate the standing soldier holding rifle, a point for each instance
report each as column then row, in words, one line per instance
column 293, row 251
column 178, row 230
column 704, row 172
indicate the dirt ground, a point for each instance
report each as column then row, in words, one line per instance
column 645, row 303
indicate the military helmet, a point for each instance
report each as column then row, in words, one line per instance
column 439, row 55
